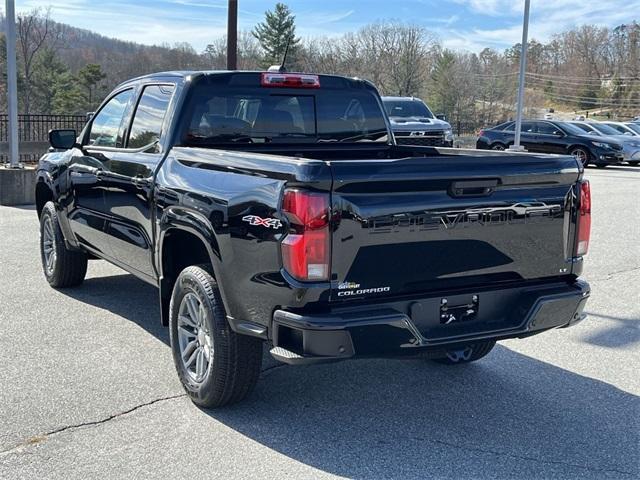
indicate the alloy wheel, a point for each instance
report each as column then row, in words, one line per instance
column 48, row 245
column 194, row 338
column 581, row 156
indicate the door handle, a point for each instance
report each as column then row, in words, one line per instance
column 473, row 188
column 141, row 182
column 87, row 170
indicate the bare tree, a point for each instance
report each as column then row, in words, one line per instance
column 35, row 31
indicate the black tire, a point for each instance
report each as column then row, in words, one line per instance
column 498, row 146
column 62, row 267
column 582, row 155
column 234, row 360
column 601, row 165
column 634, row 164
column 468, row 353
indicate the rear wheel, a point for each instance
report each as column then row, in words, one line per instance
column 62, row 267
column 466, row 354
column 498, row 146
column 216, row 366
column 581, row 154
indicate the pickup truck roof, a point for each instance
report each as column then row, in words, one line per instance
column 184, row 74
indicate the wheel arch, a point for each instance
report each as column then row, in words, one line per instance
column 44, row 193
column 180, row 245
column 573, row 146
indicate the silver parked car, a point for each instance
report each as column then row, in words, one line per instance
column 630, row 143
column 635, row 126
column 622, row 128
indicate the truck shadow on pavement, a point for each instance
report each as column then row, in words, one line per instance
column 618, row 332
column 508, row 416
column 126, row 296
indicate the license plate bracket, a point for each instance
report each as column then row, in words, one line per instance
column 464, row 311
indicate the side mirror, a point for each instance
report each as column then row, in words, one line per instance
column 90, row 115
column 441, row 116
column 63, row 139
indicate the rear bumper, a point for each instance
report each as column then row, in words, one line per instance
column 415, row 327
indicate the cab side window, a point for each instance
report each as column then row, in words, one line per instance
column 527, row 127
column 545, row 128
column 149, row 115
column 106, row 124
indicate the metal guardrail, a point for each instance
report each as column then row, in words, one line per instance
column 33, row 133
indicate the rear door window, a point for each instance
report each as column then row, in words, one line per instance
column 149, row 116
column 545, row 128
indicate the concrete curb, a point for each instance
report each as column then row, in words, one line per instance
column 17, row 185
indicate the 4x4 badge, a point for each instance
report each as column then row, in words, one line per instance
column 262, row 222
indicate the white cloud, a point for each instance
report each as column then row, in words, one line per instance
column 547, row 19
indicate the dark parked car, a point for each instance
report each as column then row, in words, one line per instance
column 276, row 209
column 547, row 136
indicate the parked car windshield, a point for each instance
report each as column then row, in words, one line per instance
column 634, row 126
column 267, row 115
column 407, row 108
column 572, row 129
column 605, row 129
column 586, row 128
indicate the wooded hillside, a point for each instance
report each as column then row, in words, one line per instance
column 64, row 69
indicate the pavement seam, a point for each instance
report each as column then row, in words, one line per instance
column 524, row 457
column 609, row 276
column 39, row 438
column 36, row 439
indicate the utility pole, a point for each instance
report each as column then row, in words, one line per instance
column 232, row 35
column 523, row 68
column 12, row 83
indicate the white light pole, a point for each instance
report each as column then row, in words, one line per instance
column 12, row 83
column 523, row 68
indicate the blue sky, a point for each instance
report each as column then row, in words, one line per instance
column 459, row 24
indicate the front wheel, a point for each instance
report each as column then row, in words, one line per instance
column 62, row 267
column 466, row 354
column 634, row 164
column 581, row 154
column 216, row 366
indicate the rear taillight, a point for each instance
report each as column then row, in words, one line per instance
column 481, row 133
column 290, row 80
column 584, row 219
column 306, row 248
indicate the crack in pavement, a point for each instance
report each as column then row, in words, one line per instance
column 36, row 439
column 39, row 438
column 609, row 276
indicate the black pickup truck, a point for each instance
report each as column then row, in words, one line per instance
column 276, row 208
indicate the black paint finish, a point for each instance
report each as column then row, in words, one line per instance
column 406, row 222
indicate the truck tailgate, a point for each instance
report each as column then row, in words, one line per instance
column 422, row 224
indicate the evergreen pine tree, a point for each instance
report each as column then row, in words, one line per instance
column 275, row 32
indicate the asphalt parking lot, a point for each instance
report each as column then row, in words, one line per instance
column 88, row 388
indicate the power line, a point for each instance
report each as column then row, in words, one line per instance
column 583, row 78
column 559, row 78
column 596, row 102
